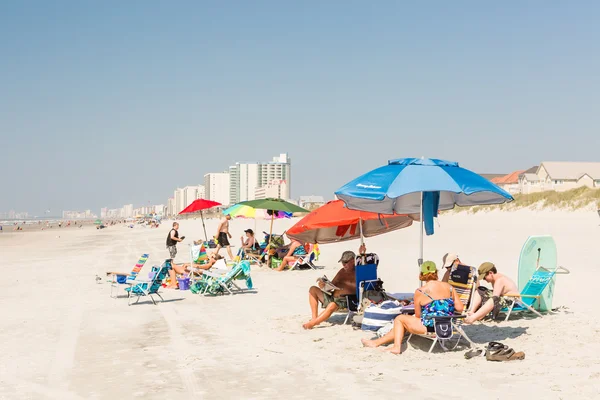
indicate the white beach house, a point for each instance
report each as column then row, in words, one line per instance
column 560, row 176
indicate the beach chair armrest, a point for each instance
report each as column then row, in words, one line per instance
column 531, row 296
column 453, row 316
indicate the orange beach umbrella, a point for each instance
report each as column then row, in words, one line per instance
column 333, row 222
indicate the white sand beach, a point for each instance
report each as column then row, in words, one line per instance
column 63, row 337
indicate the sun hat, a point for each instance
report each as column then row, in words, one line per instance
column 485, row 268
column 449, row 259
column 428, row 267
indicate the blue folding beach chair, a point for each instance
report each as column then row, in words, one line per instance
column 529, row 298
column 365, row 274
column 151, row 287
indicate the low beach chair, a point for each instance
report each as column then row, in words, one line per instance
column 308, row 259
column 220, row 283
column 447, row 329
column 151, row 287
column 198, row 255
column 364, row 274
column 529, row 298
column 124, row 278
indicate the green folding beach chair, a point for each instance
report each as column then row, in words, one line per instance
column 216, row 283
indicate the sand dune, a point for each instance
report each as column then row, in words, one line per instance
column 63, row 337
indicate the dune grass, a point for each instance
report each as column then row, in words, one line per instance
column 574, row 199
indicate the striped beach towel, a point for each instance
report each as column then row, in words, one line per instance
column 138, row 267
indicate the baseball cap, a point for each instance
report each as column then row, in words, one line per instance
column 428, row 267
column 347, row 256
column 485, row 268
column 250, row 231
column 449, row 258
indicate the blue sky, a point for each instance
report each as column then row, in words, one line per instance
column 107, row 103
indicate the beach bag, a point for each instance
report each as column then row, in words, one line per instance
column 443, row 327
column 379, row 315
column 374, row 292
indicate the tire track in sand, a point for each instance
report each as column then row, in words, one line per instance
column 181, row 347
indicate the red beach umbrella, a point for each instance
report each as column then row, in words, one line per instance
column 199, row 205
column 333, row 222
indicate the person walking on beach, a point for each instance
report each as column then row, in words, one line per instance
column 223, row 236
column 172, row 239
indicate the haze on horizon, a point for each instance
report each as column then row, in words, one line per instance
column 110, row 103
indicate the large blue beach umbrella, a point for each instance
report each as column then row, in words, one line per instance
column 420, row 185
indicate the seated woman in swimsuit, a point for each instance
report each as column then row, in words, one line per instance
column 296, row 250
column 434, row 298
column 250, row 245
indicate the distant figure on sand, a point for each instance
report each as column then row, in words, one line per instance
column 223, row 236
column 434, row 298
column 173, row 239
column 486, row 300
column 345, row 280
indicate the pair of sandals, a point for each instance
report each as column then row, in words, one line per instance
column 496, row 351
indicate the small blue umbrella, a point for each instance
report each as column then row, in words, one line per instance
column 419, row 185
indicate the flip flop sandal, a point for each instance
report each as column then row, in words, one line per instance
column 473, row 353
column 519, row 355
column 499, row 355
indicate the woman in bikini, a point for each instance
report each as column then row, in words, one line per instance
column 296, row 251
column 434, row 298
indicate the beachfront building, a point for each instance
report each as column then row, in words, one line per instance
column 243, row 181
column 275, row 189
column 103, row 212
column 216, row 185
column 311, row 202
column 87, row 214
column 170, row 206
column 178, row 201
column 191, row 193
column 560, row 176
column 128, row 211
column 279, row 169
column 509, row 182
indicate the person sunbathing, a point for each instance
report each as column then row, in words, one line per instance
column 486, row 300
column 295, row 251
column 345, row 280
column 434, row 298
column 182, row 269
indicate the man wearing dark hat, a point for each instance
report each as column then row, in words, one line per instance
column 344, row 280
column 486, row 300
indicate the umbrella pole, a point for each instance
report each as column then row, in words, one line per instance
column 362, row 238
column 203, row 226
column 420, row 261
column 271, row 229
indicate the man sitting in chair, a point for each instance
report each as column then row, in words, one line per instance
column 486, row 300
column 345, row 280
